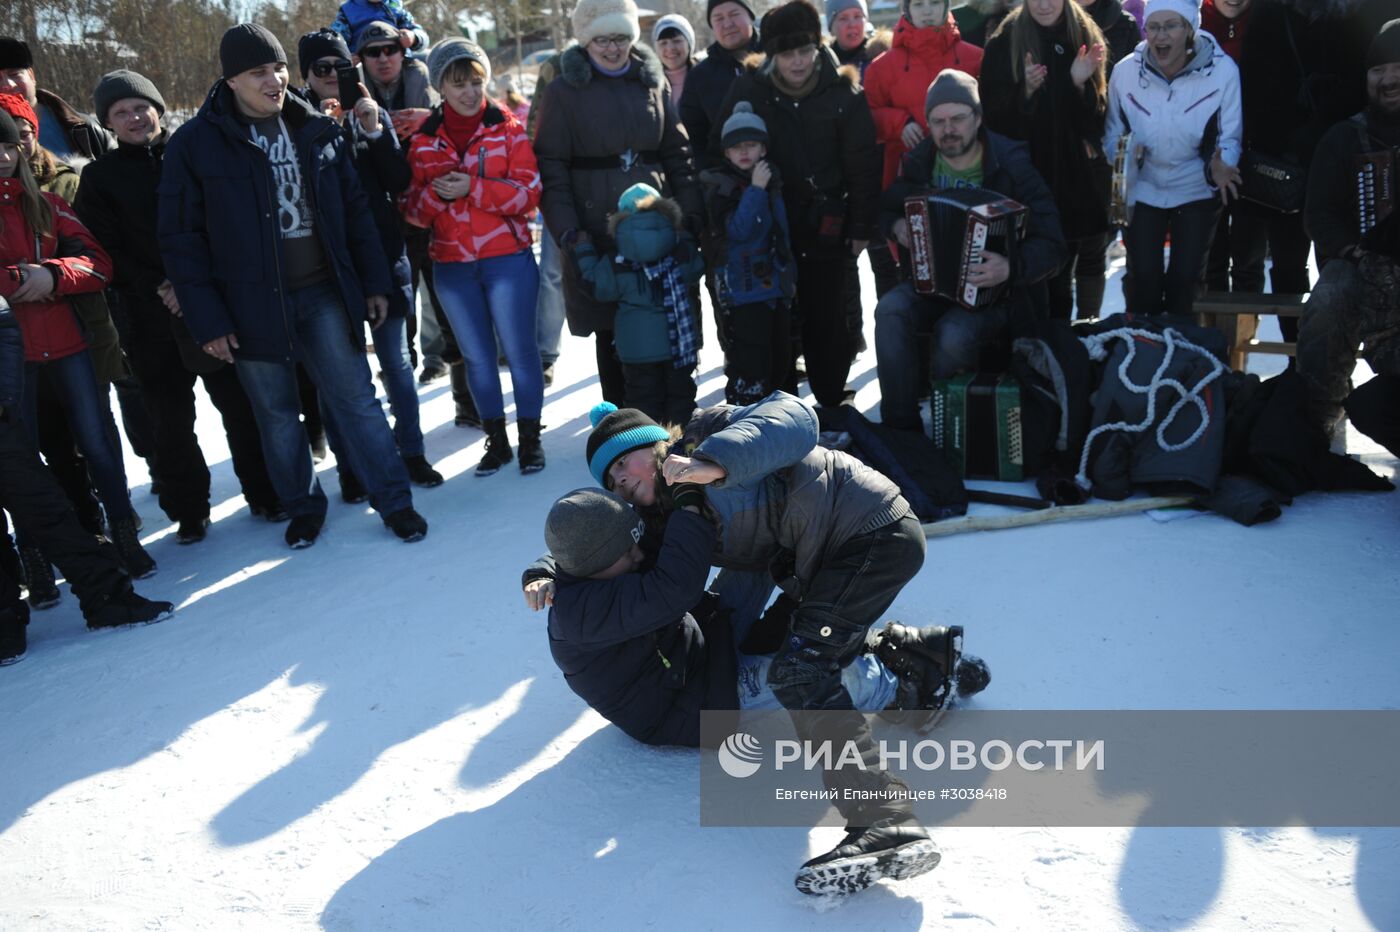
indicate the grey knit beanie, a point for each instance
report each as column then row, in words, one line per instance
column 455, row 49
column 743, row 125
column 835, row 8
column 588, row 530
column 121, row 84
column 953, row 87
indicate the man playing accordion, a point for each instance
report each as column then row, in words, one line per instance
column 959, row 153
column 1351, row 214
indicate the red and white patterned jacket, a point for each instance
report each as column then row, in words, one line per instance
column 493, row 218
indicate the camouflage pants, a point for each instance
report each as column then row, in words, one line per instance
column 1353, row 303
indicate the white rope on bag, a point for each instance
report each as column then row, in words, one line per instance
column 1097, row 345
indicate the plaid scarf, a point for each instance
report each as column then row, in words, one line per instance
column 680, row 323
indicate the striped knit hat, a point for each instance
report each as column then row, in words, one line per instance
column 617, row 432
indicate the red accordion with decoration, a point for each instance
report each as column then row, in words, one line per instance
column 949, row 230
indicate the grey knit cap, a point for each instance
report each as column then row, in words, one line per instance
column 588, row 530
column 743, row 125
column 835, row 8
column 953, row 87
column 121, row 84
column 455, row 49
column 376, row 32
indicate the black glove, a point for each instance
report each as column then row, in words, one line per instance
column 688, row 494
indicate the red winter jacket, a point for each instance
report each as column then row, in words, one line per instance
column 493, row 218
column 897, row 82
column 50, row 328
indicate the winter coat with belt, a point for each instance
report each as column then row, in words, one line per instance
column 219, row 232
column 598, row 136
column 641, row 327
column 824, row 145
column 785, row 503
column 1007, row 170
column 493, row 218
column 706, row 86
column 631, row 648
column 897, row 82
column 70, row 254
column 1062, row 124
column 1179, row 123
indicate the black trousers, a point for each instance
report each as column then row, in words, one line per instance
column 852, row 590
column 167, row 390
column 1172, row 290
column 821, row 319
column 1080, row 281
column 611, row 379
column 660, row 391
column 1246, row 234
column 758, row 357
column 45, row 517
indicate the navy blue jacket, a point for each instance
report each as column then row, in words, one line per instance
column 218, row 226
column 749, row 241
column 630, row 648
column 384, row 174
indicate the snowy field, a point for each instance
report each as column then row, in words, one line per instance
column 371, row 736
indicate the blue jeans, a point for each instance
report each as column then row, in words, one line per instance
column 492, row 298
column 870, row 685
column 549, row 306
column 88, row 410
column 324, row 346
column 391, row 349
column 957, row 336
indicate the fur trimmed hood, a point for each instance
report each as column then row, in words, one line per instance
column 759, row 65
column 664, row 206
column 576, row 68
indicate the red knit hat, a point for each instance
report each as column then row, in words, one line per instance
column 17, row 107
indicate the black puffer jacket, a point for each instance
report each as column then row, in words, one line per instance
column 1062, row 124
column 824, row 144
column 1119, row 30
column 705, row 88
column 631, row 648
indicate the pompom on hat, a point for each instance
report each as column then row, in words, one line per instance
column 617, row 432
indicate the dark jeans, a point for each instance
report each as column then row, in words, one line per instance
column 1080, row 281
column 167, row 390
column 957, row 337
column 341, row 374
column 661, row 391
column 759, row 350
column 855, row 585
column 1173, row 290
column 1374, row 409
column 821, row 316
column 45, row 518
column 1246, row 233
column 88, row 412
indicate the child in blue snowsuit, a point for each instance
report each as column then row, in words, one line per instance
column 651, row 277
column 754, row 274
column 355, row 15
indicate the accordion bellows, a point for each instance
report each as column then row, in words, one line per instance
column 949, row 230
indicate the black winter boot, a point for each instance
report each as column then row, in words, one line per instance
column 128, row 608
column 352, row 490
column 137, row 561
column 421, row 472
column 895, row 847
column 467, row 415
column 38, row 579
column 497, row 447
column 14, row 639
column 531, row 453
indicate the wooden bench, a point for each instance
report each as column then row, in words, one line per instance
column 1237, row 316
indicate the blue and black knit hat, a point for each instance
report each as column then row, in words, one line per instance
column 617, row 432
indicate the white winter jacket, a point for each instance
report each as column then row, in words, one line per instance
column 1180, row 122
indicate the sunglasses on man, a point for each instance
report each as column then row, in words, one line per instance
column 379, row 51
column 324, row 69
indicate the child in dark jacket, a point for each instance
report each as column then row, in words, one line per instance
column 755, row 277
column 651, row 277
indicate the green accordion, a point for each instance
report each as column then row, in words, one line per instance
column 977, row 425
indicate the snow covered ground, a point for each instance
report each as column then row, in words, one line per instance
column 372, row 736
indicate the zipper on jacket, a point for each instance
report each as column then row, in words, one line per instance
column 1202, row 100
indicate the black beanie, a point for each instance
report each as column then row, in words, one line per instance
column 9, row 129
column 711, row 4
column 790, row 26
column 319, row 44
column 1385, row 47
column 617, row 432
column 14, row 53
column 119, row 85
column 246, row 46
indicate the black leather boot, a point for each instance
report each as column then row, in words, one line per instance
column 531, row 453
column 462, row 396
column 497, row 447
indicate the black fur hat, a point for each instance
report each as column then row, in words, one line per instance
column 790, row 26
